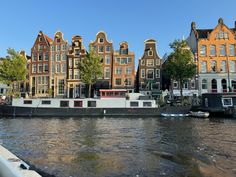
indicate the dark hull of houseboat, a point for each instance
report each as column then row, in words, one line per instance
column 13, row 111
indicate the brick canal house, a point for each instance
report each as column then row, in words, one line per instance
column 149, row 70
column 77, row 51
column 123, row 73
column 215, row 57
column 39, row 66
column 59, row 51
column 104, row 48
column 47, row 67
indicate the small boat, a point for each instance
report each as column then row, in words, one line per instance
column 174, row 115
column 199, row 114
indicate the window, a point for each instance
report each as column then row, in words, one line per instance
column 107, row 73
column 53, row 48
column 142, row 62
column 123, row 61
column 46, row 102
column 70, row 74
column 147, row 104
column 203, row 67
column 40, row 68
column 118, row 70
column 142, row 73
column 64, row 57
column 100, row 40
column 232, row 66
column 158, row 62
column 222, row 50
column 150, row 53
column 53, row 57
column 92, row 104
column 61, row 86
column 58, row 68
column 118, row 81
column 117, row 60
column 77, row 52
column 203, row 50
column 76, row 63
column 70, row 62
column 156, row 85
column 128, row 70
column 150, row 74
column 46, row 56
column 127, row 81
column 40, row 56
column 192, row 83
column 58, row 40
column 212, row 50
column 185, row 85
column 27, row 101
column 45, row 67
column 78, row 103
column 124, row 51
column 64, row 103
column 204, row 84
column 108, row 48
column 63, row 68
column 227, row 102
column 100, row 49
column 150, row 62
column 34, row 68
column 175, row 84
column 133, row 104
column 58, row 47
column 40, row 39
column 107, row 59
column 157, row 73
column 35, row 57
column 58, row 57
column 213, row 66
column 223, row 66
column 129, row 60
column 231, row 49
column 40, row 47
column 64, row 47
column 53, row 69
column 76, row 74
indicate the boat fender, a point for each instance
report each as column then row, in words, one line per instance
column 24, row 166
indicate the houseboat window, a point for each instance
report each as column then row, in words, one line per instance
column 133, row 104
column 91, row 103
column 103, row 93
column 27, row 101
column 206, row 102
column 78, row 103
column 147, row 104
column 64, row 104
column 46, row 102
column 227, row 102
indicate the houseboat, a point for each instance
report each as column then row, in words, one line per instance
column 219, row 103
column 111, row 103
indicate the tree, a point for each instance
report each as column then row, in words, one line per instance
column 12, row 68
column 180, row 66
column 90, row 68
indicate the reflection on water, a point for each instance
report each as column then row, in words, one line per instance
column 123, row 146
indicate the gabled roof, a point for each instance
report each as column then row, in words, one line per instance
column 49, row 40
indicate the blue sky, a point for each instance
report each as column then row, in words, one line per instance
column 123, row 20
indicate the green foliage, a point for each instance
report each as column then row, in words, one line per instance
column 180, row 66
column 90, row 68
column 12, row 68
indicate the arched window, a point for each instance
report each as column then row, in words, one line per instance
column 224, row 85
column 204, row 84
column 213, row 85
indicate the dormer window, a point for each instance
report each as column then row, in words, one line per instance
column 100, row 40
column 150, row 53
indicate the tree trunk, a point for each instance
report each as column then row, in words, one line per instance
column 89, row 93
column 181, row 91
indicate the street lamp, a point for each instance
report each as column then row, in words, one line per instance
column 227, row 59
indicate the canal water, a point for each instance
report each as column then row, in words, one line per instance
column 112, row 147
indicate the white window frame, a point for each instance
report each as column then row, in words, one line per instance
column 153, row 74
column 142, row 73
column 157, row 76
column 227, row 105
column 99, row 40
